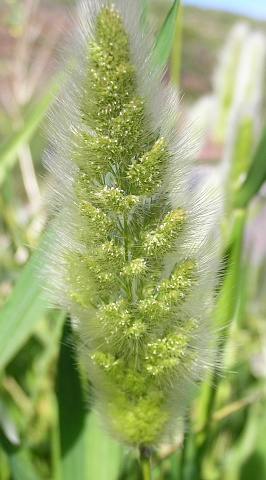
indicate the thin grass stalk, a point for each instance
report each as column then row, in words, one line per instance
column 175, row 55
column 145, row 463
column 225, row 310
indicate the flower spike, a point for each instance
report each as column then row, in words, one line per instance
column 131, row 258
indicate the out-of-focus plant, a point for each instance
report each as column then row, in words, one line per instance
column 235, row 113
column 25, row 68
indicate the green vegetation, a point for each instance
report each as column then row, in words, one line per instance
column 48, row 428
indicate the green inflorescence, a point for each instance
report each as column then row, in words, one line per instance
column 139, row 339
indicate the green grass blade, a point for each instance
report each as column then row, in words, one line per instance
column 21, row 311
column 144, row 11
column 175, row 55
column 19, row 461
column 256, row 461
column 45, row 358
column 256, row 175
column 83, row 443
column 71, row 411
column 225, row 310
column 165, row 36
column 227, row 303
column 8, row 151
column 101, row 446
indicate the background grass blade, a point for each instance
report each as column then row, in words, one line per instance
column 165, row 36
column 101, row 445
column 256, row 175
column 71, row 411
column 175, row 54
column 19, row 461
column 83, row 442
column 22, row 310
column 8, row 151
column 144, row 8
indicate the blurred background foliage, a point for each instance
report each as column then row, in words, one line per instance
column 47, row 430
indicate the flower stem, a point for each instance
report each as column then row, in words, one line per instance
column 145, row 463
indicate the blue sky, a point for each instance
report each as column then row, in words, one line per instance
column 254, row 8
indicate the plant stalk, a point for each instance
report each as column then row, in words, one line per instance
column 145, row 463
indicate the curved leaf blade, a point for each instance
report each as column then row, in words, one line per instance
column 23, row 308
column 8, row 151
column 165, row 36
column 256, row 175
